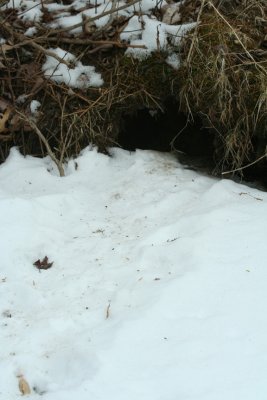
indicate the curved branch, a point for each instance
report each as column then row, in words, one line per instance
column 44, row 141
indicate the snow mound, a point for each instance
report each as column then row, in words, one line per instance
column 158, row 286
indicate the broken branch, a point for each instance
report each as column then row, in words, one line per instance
column 44, row 141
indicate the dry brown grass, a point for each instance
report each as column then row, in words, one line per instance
column 224, row 79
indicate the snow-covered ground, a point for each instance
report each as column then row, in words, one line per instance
column 158, row 288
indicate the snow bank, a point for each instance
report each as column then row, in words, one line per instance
column 158, row 286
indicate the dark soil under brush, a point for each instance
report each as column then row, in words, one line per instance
column 192, row 142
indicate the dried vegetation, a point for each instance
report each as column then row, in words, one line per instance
column 69, row 119
column 223, row 78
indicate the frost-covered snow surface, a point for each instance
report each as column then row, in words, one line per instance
column 158, row 289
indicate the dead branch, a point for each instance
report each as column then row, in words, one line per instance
column 6, row 138
column 246, row 166
column 102, row 44
column 31, row 42
column 86, row 41
column 49, row 53
column 44, row 141
column 91, row 19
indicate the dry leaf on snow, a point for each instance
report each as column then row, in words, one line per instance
column 24, row 387
column 44, row 264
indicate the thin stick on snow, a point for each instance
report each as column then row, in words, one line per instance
column 107, row 312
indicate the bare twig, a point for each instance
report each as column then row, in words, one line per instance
column 44, row 141
column 86, row 41
column 107, row 311
column 5, row 138
column 91, row 19
column 101, row 43
column 113, row 10
column 32, row 42
column 246, row 166
column 49, row 53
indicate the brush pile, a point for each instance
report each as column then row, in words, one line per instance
column 65, row 79
column 70, row 70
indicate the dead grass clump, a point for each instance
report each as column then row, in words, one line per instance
column 224, row 78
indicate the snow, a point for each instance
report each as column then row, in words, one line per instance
column 158, row 287
column 91, row 12
column 35, row 104
column 78, row 76
column 154, row 36
column 29, row 10
column 173, row 60
column 64, row 21
column 142, row 28
column 30, row 31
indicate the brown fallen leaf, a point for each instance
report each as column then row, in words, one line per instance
column 6, row 47
column 3, row 119
column 24, row 387
column 4, row 104
column 44, row 264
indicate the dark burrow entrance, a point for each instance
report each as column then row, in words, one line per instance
column 194, row 145
column 169, row 131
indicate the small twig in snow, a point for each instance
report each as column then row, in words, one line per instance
column 107, row 312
